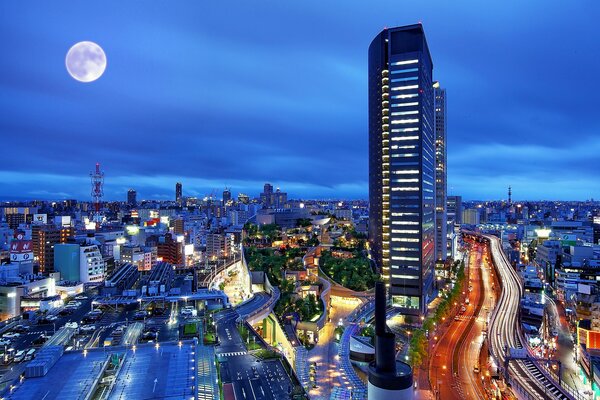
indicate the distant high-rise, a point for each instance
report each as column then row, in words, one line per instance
column 440, row 172
column 270, row 199
column 266, row 196
column 178, row 193
column 402, row 164
column 131, row 198
column 226, row 195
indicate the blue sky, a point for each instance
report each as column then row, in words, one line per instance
column 239, row 93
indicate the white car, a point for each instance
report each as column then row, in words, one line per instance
column 87, row 328
column 11, row 335
column 72, row 325
column 4, row 342
column 81, row 297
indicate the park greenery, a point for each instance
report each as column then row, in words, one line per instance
column 265, row 234
column 274, row 261
column 354, row 273
column 307, row 308
column 418, row 342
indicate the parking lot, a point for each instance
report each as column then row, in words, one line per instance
column 94, row 325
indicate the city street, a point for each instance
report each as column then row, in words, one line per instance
column 455, row 354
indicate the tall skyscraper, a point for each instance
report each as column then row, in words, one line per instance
column 226, row 195
column 131, row 198
column 402, row 164
column 178, row 193
column 440, row 172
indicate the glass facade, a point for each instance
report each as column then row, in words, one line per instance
column 402, row 164
column 440, row 172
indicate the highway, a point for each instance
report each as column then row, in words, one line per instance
column 505, row 331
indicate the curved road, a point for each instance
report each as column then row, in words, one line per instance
column 505, row 331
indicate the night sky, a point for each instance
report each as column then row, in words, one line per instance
column 239, row 93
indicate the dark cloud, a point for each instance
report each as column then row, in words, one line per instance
column 238, row 94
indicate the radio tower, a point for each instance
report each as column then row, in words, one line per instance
column 97, row 178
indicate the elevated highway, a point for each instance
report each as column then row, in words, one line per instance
column 525, row 376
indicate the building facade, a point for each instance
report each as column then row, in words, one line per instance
column 131, row 198
column 178, row 193
column 402, row 164
column 441, row 184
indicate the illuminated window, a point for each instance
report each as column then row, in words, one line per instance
column 405, row 96
column 406, row 62
column 407, row 87
column 405, row 121
column 400, row 71
column 408, row 78
column 405, row 113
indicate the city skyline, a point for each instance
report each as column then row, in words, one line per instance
column 181, row 105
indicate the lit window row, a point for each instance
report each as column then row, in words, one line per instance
column 406, row 171
column 406, row 240
column 404, row 276
column 398, row 130
column 405, row 96
column 408, row 231
column 405, row 112
column 405, row 121
column 408, row 78
column 411, row 180
column 406, row 155
column 407, row 87
column 409, row 104
column 397, row 258
column 406, row 62
column 405, row 189
column 400, row 71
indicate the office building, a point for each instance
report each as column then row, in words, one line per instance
column 178, row 193
column 44, row 238
column 169, row 249
column 471, row 216
column 402, row 165
column 80, row 262
column 454, row 209
column 441, row 224
column 131, row 198
column 272, row 199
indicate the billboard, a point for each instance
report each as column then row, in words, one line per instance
column 568, row 239
column 21, row 249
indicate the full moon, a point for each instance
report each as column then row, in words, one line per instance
column 86, row 61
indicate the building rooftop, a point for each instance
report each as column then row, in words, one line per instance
column 166, row 371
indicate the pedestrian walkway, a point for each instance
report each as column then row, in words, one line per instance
column 207, row 374
column 302, row 367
